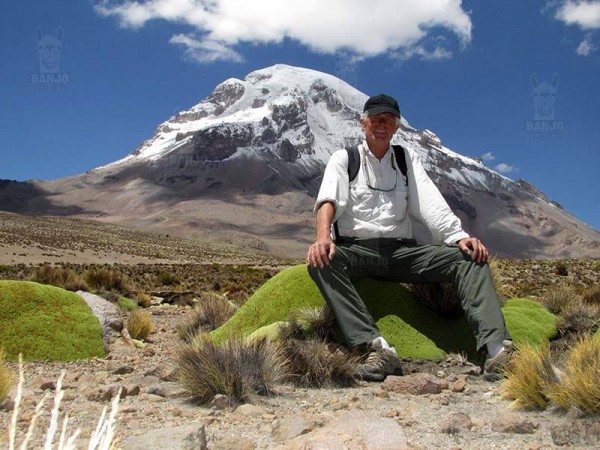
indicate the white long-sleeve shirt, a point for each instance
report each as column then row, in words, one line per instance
column 364, row 212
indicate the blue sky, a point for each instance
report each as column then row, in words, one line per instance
column 460, row 69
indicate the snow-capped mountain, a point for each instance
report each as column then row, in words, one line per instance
column 244, row 165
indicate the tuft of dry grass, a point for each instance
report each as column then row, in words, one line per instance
column 59, row 276
column 140, row 324
column 6, row 377
column 580, row 385
column 209, row 314
column 578, row 317
column 557, row 298
column 528, row 374
column 104, row 279
column 440, row 297
column 315, row 363
column 591, row 295
column 144, row 299
column 233, row 368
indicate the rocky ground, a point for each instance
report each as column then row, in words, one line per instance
column 435, row 405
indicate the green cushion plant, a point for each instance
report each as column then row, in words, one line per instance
column 47, row 323
column 415, row 331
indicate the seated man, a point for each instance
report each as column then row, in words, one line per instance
column 371, row 215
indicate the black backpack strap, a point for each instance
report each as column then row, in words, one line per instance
column 401, row 161
column 353, row 162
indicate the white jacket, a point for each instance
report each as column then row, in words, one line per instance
column 364, row 212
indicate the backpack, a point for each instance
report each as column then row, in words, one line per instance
column 354, row 165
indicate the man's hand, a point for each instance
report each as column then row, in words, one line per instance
column 320, row 253
column 474, row 248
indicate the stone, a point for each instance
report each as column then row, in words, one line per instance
column 186, row 437
column 457, row 422
column 249, row 410
column 123, row 370
column 417, row 384
column 108, row 315
column 513, row 424
column 220, row 402
column 459, row 385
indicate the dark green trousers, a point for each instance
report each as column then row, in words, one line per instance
column 394, row 260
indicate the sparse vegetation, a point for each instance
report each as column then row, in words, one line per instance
column 211, row 312
column 140, row 324
column 558, row 297
column 533, row 381
column 591, row 295
column 59, row 276
column 127, row 304
column 104, row 279
column 233, row 368
column 165, row 278
column 6, row 377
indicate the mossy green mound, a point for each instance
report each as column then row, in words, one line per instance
column 47, row 323
column 415, row 331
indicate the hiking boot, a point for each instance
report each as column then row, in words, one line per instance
column 497, row 364
column 380, row 363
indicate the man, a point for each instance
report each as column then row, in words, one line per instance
column 373, row 216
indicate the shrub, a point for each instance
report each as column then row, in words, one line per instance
column 578, row 317
column 6, row 377
column 580, row 385
column 60, row 277
column 527, row 375
column 108, row 280
column 209, row 314
column 166, row 279
column 233, row 368
column 316, row 363
column 140, row 324
column 591, row 295
column 557, row 298
column 561, row 269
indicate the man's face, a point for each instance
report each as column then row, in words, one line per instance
column 380, row 128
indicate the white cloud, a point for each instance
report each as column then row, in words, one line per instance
column 504, row 168
column 586, row 47
column 401, row 27
column 585, row 14
column 205, row 51
column 582, row 13
column 488, row 156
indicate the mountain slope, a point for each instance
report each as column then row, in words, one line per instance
column 244, row 165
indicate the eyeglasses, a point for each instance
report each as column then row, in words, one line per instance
column 366, row 171
column 383, row 118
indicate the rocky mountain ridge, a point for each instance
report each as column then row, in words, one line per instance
column 243, row 166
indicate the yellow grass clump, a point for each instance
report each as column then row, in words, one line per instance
column 140, row 324
column 527, row 375
column 580, row 386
